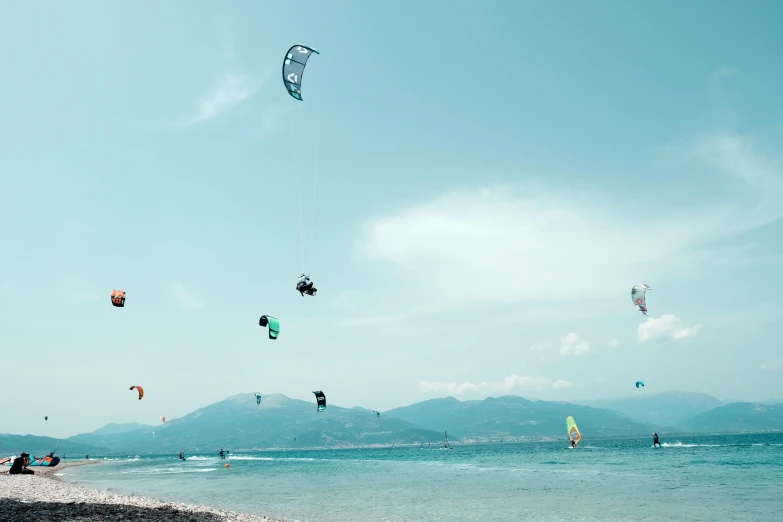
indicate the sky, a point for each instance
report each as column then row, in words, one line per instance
column 474, row 188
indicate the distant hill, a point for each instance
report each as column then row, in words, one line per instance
column 661, row 409
column 738, row 417
column 239, row 423
column 113, row 429
column 38, row 446
column 515, row 417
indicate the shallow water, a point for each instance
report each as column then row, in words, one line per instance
column 734, row 477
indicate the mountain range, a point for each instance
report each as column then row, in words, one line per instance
column 240, row 423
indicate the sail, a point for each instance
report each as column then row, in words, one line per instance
column 573, row 431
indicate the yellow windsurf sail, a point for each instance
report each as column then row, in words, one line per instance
column 573, row 431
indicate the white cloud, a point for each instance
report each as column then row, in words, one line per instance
column 774, row 364
column 185, row 297
column 229, row 90
column 507, row 244
column 614, row 343
column 668, row 327
column 557, row 247
column 761, row 175
column 510, row 384
column 571, row 344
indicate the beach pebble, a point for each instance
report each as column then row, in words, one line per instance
column 42, row 497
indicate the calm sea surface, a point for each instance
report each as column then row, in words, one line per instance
column 737, row 477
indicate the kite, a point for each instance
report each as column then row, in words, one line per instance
column 293, row 68
column 118, row 298
column 321, row 398
column 638, row 295
column 140, row 389
column 274, row 325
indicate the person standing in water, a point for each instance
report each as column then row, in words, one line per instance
column 655, row 440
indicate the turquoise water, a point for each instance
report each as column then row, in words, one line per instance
column 736, row 477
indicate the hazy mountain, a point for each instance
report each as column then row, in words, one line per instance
column 112, row 428
column 512, row 416
column 40, row 446
column 661, row 409
column 738, row 417
column 239, row 423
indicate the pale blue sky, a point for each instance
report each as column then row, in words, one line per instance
column 492, row 177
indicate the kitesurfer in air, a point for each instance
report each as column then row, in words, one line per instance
column 655, row 440
column 304, row 285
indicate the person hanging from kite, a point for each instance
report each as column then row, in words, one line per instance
column 305, row 286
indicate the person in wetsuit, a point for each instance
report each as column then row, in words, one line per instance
column 655, row 440
column 180, row 456
column 222, row 454
column 573, row 443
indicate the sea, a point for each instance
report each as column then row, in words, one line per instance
column 706, row 478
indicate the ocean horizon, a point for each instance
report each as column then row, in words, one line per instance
column 690, row 478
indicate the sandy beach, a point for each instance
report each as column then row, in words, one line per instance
column 44, row 497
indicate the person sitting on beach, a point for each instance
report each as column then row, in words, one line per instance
column 19, row 467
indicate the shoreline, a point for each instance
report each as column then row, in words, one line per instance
column 47, row 497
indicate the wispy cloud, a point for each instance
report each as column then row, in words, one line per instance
column 571, row 344
column 573, row 246
column 510, row 384
column 229, row 90
column 185, row 297
column 762, row 177
column 232, row 85
column 614, row 343
column 774, row 364
column 537, row 348
column 668, row 327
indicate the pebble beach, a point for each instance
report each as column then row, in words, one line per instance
column 44, row 497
